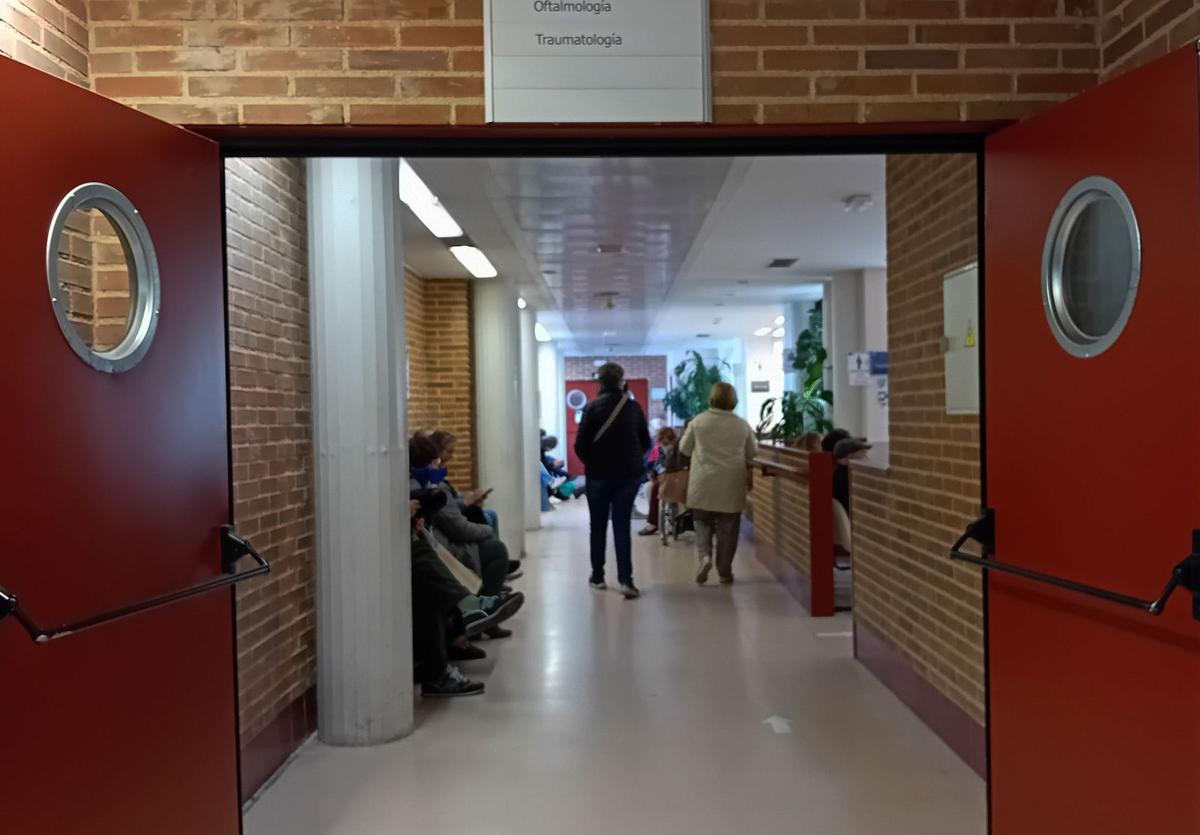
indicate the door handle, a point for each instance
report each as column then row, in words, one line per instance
column 233, row 548
column 1186, row 574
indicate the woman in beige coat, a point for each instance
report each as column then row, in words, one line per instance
column 722, row 447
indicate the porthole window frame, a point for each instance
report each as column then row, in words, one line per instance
column 142, row 262
column 1070, row 209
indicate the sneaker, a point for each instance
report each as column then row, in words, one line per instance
column 706, row 565
column 513, row 567
column 598, row 585
column 516, row 575
column 557, row 482
column 492, row 611
column 452, row 683
column 649, row 530
column 465, row 652
column 727, row 581
column 498, row 632
column 630, row 590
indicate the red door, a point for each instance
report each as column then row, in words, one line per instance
column 640, row 389
column 1093, row 457
column 115, row 486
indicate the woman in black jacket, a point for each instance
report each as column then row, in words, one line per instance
column 612, row 442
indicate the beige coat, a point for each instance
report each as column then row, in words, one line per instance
column 721, row 446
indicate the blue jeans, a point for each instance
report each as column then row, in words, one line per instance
column 615, row 499
column 493, row 519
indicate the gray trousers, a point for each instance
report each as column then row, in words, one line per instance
column 727, row 527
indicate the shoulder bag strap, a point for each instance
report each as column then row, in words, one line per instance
column 612, row 416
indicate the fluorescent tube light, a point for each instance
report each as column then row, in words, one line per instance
column 425, row 205
column 762, row 331
column 540, row 333
column 474, row 260
column 777, row 333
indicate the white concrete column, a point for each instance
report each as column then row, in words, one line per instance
column 364, row 586
column 529, row 414
column 499, row 428
column 551, row 394
column 843, row 317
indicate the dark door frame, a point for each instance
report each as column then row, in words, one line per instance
column 646, row 140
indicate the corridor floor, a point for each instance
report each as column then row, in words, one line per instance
column 649, row 716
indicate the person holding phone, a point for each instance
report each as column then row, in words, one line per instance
column 470, row 504
column 613, row 438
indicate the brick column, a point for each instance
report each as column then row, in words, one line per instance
column 498, row 410
column 364, row 602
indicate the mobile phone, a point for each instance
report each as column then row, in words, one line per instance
column 486, row 493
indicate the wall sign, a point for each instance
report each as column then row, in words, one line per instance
column 596, row 60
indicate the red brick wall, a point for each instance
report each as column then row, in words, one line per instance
column 1133, row 32
column 441, row 381
column 51, row 35
column 644, row 367
column 779, row 507
column 271, row 396
column 421, row 61
column 905, row 588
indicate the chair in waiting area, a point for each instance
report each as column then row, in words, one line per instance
column 841, row 537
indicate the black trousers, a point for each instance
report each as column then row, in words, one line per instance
column 435, row 596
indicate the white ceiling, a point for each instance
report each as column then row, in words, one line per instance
column 696, row 235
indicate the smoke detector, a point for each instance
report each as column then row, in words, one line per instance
column 858, row 203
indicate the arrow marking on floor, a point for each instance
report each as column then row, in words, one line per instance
column 778, row 724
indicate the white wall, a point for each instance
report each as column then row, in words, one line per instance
column 874, row 298
column 551, row 408
column 764, row 362
column 843, row 318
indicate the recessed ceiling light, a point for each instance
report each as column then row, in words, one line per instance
column 474, row 260
column 781, row 263
column 521, row 303
column 779, row 320
column 609, row 249
column 762, row 331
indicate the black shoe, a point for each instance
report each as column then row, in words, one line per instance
column 492, row 611
column 630, row 591
column 514, row 565
column 598, row 585
column 452, row 683
column 465, row 652
column 498, row 632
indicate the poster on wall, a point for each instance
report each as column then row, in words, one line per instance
column 858, row 366
column 596, row 61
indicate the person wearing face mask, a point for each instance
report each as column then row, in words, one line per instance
column 473, row 544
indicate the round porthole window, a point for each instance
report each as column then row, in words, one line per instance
column 103, row 277
column 1091, row 266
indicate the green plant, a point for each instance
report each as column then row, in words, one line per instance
column 806, row 410
column 694, row 379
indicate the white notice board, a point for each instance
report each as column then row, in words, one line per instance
column 596, row 60
column 960, row 341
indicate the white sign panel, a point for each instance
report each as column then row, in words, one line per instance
column 858, row 367
column 596, row 60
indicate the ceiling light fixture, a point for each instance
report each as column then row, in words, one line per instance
column 521, row 303
column 609, row 249
column 474, row 260
column 425, row 205
column 779, row 320
column 762, row 331
column 857, row 203
column 540, row 333
column 777, row 333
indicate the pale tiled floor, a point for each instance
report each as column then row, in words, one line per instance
column 607, row 716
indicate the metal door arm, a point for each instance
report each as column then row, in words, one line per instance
column 233, row 548
column 1186, row 574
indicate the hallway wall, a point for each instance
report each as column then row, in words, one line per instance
column 1133, row 32
column 916, row 613
column 441, row 379
column 271, row 401
column 51, row 35
column 421, row 61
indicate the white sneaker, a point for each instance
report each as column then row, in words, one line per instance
column 706, row 565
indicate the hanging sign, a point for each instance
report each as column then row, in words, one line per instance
column 596, row 60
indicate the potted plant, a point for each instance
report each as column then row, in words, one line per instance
column 796, row 413
column 694, row 379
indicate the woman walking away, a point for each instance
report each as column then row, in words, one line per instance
column 722, row 447
column 612, row 439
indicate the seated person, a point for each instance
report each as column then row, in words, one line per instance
column 665, row 458
column 471, row 503
column 831, row 439
column 563, row 485
column 439, row 600
column 473, row 544
column 846, row 450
